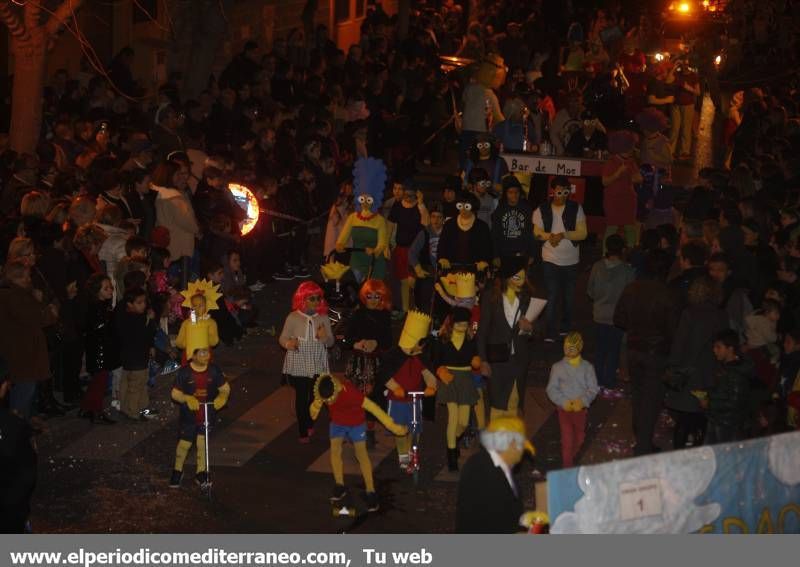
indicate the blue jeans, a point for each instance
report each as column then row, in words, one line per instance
column 560, row 284
column 21, row 398
column 606, row 358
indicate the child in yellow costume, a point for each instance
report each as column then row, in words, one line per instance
column 346, row 405
column 201, row 296
column 195, row 384
column 407, row 370
column 457, row 358
column 572, row 387
column 366, row 227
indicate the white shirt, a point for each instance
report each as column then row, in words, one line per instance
column 566, row 253
column 510, row 311
column 499, row 462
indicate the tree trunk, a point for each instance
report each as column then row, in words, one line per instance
column 30, row 61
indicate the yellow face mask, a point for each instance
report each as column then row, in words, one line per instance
column 573, row 345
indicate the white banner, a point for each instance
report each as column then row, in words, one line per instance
column 529, row 163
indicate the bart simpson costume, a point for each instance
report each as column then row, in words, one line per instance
column 346, row 405
column 195, row 384
column 407, row 370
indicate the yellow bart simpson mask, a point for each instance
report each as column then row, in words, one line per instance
column 573, row 346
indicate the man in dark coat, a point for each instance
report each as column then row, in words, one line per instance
column 17, row 465
column 488, row 497
column 648, row 312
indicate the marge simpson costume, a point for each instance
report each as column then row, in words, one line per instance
column 406, row 368
column 196, row 383
column 346, row 405
column 199, row 329
column 366, row 227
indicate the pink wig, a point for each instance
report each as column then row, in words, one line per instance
column 304, row 291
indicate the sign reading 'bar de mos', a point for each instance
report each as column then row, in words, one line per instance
column 530, row 163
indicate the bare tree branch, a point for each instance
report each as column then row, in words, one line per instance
column 12, row 21
column 62, row 15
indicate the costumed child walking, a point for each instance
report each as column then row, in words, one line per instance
column 195, row 384
column 406, row 368
column 306, row 336
column 572, row 387
column 200, row 296
column 456, row 359
column 369, row 333
column 346, row 405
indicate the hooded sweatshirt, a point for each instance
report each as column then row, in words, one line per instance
column 512, row 229
column 606, row 282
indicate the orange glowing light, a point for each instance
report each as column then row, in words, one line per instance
column 247, row 201
column 684, row 7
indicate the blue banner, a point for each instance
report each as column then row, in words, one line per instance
column 747, row 487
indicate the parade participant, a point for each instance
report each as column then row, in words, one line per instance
column 406, row 369
column 197, row 383
column 488, row 497
column 450, row 189
column 479, row 184
column 561, row 224
column 369, row 334
column 306, row 336
column 503, row 338
column 485, row 154
column 366, row 227
column 201, row 297
column 512, row 233
column 456, row 357
column 466, row 240
column 590, row 139
column 481, row 107
column 572, row 388
column 620, row 174
column 346, row 406
column 407, row 222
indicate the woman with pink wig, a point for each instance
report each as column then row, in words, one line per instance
column 306, row 336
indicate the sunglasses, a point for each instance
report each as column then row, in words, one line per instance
column 313, row 298
column 464, row 206
column 484, row 183
column 561, row 192
column 374, row 296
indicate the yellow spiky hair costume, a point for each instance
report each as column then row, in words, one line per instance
column 199, row 330
column 333, row 271
column 207, row 289
column 465, row 286
column 448, row 283
column 573, row 344
column 415, row 329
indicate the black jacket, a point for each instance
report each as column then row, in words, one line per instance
column 486, row 503
column 728, row 399
column 135, row 334
column 470, row 247
column 102, row 350
column 648, row 313
column 17, row 472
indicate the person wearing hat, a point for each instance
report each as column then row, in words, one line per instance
column 512, row 230
column 347, row 407
column 199, row 328
column 572, row 388
column 140, row 154
column 620, row 173
column 504, row 337
column 485, row 154
column 561, row 224
column 198, row 382
column 456, row 356
column 590, row 139
column 465, row 240
column 488, row 498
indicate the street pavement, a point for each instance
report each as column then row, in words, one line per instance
column 101, row 479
